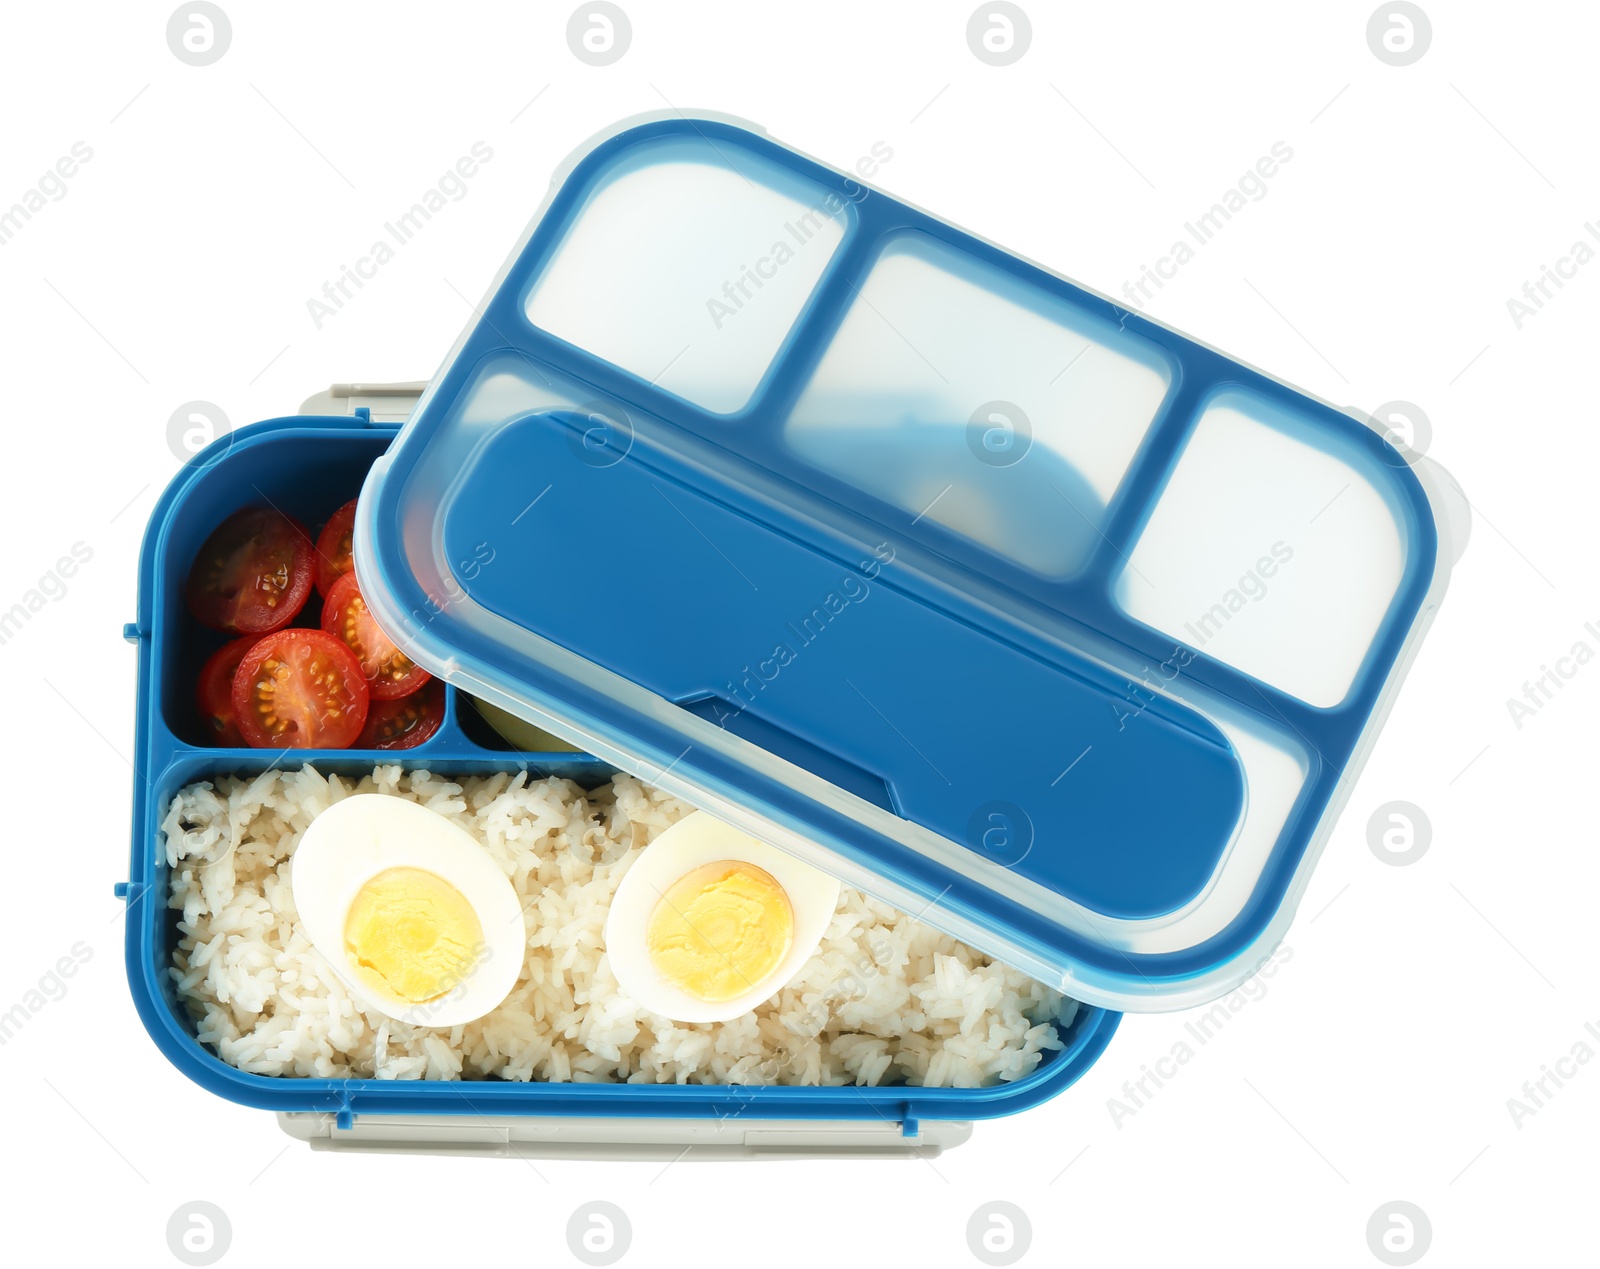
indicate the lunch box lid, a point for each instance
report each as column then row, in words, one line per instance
column 1044, row 622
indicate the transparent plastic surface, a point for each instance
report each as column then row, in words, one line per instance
column 1273, row 554
column 898, row 406
column 901, row 565
column 688, row 269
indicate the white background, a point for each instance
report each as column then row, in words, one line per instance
column 1418, row 999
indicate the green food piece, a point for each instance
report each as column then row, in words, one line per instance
column 520, row 735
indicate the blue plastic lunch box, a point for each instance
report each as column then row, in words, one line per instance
column 308, row 466
column 995, row 599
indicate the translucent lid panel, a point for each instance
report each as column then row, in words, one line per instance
column 1021, row 611
column 1275, row 554
column 689, row 271
column 897, row 404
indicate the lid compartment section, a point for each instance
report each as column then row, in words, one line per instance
column 902, row 404
column 686, row 263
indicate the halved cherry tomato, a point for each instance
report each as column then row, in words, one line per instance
column 390, row 673
column 300, row 689
column 406, row 722
column 333, row 547
column 215, row 692
column 253, row 574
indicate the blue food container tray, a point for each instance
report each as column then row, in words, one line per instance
column 310, row 466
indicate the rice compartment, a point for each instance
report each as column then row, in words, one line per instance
column 881, row 999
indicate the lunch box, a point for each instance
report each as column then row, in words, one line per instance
column 1045, row 623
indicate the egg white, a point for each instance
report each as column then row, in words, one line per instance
column 369, row 833
column 699, row 839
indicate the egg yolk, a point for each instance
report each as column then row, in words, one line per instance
column 411, row 935
column 720, row 930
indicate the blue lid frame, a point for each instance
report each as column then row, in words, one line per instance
column 580, row 436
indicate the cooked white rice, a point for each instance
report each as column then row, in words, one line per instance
column 885, row 999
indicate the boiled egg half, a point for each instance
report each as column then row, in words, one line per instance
column 409, row 910
column 708, row 922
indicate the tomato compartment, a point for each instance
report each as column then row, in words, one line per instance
column 230, row 477
column 240, row 474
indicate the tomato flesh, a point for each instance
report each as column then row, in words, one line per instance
column 405, row 722
column 300, row 689
column 215, row 692
column 390, row 673
column 334, row 557
column 253, row 574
